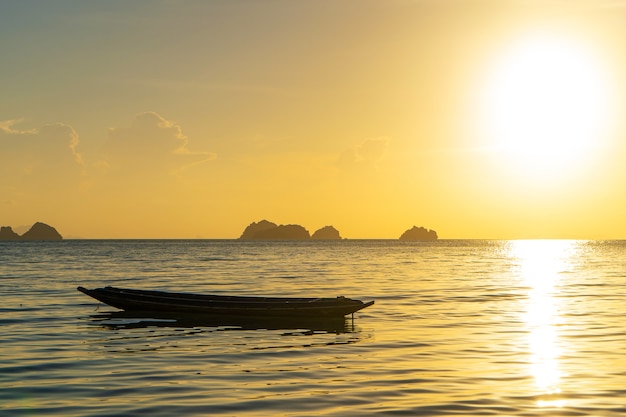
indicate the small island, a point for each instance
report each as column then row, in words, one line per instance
column 266, row 230
column 263, row 230
column 419, row 233
column 39, row 231
column 326, row 233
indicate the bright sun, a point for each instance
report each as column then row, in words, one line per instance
column 546, row 104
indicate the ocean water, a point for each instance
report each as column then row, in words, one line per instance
column 460, row 327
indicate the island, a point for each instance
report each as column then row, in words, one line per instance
column 7, row 233
column 266, row 230
column 255, row 229
column 326, row 233
column 419, row 233
column 39, row 231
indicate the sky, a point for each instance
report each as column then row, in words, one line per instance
column 192, row 119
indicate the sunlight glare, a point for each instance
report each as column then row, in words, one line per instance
column 547, row 104
column 540, row 263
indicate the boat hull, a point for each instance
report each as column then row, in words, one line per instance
column 220, row 305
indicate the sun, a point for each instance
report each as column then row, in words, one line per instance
column 546, row 104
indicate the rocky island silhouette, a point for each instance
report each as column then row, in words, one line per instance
column 419, row 233
column 39, row 231
column 263, row 230
column 266, row 230
column 326, row 233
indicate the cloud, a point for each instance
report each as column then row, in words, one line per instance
column 152, row 144
column 49, row 150
column 365, row 155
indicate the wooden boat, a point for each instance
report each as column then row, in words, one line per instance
column 223, row 305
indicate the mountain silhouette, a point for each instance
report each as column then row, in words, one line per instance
column 39, row 231
column 419, row 233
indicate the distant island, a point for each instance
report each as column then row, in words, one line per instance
column 39, row 231
column 263, row 230
column 326, row 233
column 269, row 230
column 419, row 233
column 266, row 230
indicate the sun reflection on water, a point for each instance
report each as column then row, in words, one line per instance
column 541, row 263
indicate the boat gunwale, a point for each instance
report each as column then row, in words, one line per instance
column 166, row 295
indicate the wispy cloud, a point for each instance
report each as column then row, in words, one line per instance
column 51, row 148
column 151, row 143
column 367, row 154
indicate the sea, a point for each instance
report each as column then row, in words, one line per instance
column 458, row 328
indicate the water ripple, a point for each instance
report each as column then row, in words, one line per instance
column 459, row 328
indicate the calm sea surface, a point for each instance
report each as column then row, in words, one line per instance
column 504, row 328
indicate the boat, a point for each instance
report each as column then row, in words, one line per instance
column 224, row 305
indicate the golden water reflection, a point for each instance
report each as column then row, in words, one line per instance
column 541, row 264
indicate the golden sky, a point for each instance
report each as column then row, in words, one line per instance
column 192, row 119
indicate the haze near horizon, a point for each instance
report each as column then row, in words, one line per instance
column 185, row 119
